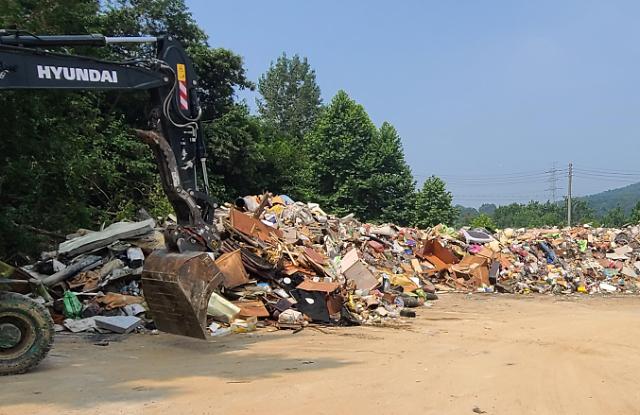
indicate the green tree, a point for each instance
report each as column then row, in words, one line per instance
column 152, row 17
column 538, row 214
column 465, row 215
column 487, row 208
column 290, row 96
column 43, row 180
column 483, row 221
column 50, row 16
column 353, row 167
column 391, row 181
column 635, row 213
column 433, row 204
column 221, row 73
column 289, row 107
column 532, row 214
column 339, row 157
column 581, row 212
column 614, row 217
column 234, row 140
column 284, row 166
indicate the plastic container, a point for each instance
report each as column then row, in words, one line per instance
column 72, row 306
column 222, row 309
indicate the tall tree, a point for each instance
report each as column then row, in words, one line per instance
column 356, row 168
column 290, row 96
column 391, row 181
column 433, row 204
column 340, row 161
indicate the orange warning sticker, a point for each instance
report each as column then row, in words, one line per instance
column 182, row 72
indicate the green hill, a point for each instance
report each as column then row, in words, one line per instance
column 626, row 197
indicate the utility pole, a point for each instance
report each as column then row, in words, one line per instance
column 569, row 195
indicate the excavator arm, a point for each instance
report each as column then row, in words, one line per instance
column 180, row 278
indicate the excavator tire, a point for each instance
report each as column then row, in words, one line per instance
column 26, row 333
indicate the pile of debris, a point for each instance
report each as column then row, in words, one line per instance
column 287, row 264
column 580, row 259
column 92, row 281
column 291, row 262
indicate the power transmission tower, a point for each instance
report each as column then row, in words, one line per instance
column 553, row 182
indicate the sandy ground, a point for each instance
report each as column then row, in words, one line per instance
column 464, row 355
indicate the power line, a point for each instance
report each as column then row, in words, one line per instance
column 475, row 177
column 541, row 179
column 611, row 172
column 488, row 198
column 606, row 176
column 629, row 180
column 534, row 175
column 501, row 200
column 505, row 195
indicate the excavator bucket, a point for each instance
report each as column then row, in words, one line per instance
column 177, row 288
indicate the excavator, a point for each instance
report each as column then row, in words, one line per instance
column 177, row 281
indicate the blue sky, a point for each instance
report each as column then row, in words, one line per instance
column 486, row 94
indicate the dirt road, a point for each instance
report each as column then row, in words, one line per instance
column 465, row 355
